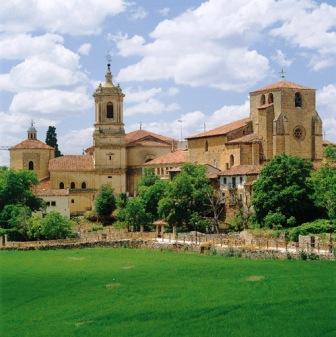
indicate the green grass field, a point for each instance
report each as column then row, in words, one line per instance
column 122, row 292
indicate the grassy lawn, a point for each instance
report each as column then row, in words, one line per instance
column 122, row 292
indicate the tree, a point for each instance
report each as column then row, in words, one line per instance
column 283, row 187
column 149, row 178
column 217, row 205
column 186, row 195
column 53, row 226
column 51, row 140
column 330, row 152
column 324, row 185
column 105, row 202
column 135, row 214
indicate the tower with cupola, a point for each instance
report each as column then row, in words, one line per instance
column 109, row 135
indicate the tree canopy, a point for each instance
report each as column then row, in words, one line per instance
column 283, row 188
column 105, row 202
column 51, row 140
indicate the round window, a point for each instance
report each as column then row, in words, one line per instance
column 299, row 133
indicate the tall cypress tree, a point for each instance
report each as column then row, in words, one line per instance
column 51, row 140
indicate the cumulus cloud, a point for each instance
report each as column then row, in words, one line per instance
column 211, row 45
column 280, row 58
column 138, row 13
column 75, row 141
column 84, row 49
column 74, row 17
column 164, row 11
column 326, row 101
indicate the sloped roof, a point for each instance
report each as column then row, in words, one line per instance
column 242, row 170
column 90, row 150
column 139, row 135
column 72, row 163
column 176, row 157
column 247, row 139
column 328, row 142
column 223, row 130
column 282, row 85
column 32, row 144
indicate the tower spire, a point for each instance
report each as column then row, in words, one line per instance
column 32, row 133
column 282, row 73
column 108, row 75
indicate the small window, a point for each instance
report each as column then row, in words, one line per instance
column 83, row 185
column 72, row 201
column 241, row 179
column 31, row 166
column 72, row 185
column 298, row 100
column 48, row 203
column 61, row 186
column 270, row 98
column 110, row 157
column 53, row 203
column 224, row 181
column 231, row 160
column 109, row 177
column 206, row 146
column 109, row 110
column 262, row 99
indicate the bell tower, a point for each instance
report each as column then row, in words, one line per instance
column 109, row 134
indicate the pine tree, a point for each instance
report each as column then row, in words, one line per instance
column 51, row 140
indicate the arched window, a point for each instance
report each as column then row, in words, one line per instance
column 61, row 185
column 31, row 166
column 83, row 185
column 231, row 160
column 109, row 110
column 262, row 99
column 206, row 146
column 298, row 100
column 72, row 185
column 270, row 98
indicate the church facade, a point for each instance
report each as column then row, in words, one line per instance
column 283, row 119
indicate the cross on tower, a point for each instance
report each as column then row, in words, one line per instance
column 282, row 73
column 108, row 60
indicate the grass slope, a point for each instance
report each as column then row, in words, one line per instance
column 123, row 292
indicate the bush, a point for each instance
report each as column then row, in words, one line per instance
column 315, row 227
column 91, row 216
column 275, row 220
column 53, row 226
column 105, row 202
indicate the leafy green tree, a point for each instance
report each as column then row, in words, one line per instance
column 105, row 202
column 51, row 140
column 330, row 152
column 324, row 185
column 283, row 187
column 149, row 178
column 186, row 195
column 53, row 226
column 135, row 214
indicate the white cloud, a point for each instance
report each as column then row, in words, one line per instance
column 280, row 58
column 146, row 101
column 211, row 45
column 74, row 17
column 164, row 11
column 75, row 141
column 173, row 91
column 84, row 49
column 326, row 101
column 46, row 63
column 51, row 101
column 194, row 122
column 138, row 13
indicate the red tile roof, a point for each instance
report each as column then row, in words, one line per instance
column 32, row 144
column 72, row 163
column 224, row 129
column 90, row 150
column 282, row 85
column 242, row 170
column 247, row 139
column 139, row 135
column 176, row 157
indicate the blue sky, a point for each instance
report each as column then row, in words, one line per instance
column 188, row 60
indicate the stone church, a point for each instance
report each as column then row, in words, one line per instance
column 283, row 119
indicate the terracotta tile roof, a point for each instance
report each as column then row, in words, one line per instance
column 224, row 129
column 43, row 190
column 72, row 163
column 142, row 134
column 282, row 85
column 247, row 139
column 212, row 171
column 151, row 143
column 32, row 144
column 90, row 150
column 176, row 157
column 242, row 170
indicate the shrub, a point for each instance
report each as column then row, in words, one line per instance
column 91, row 216
column 105, row 202
column 275, row 220
column 315, row 227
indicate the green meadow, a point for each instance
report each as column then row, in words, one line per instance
column 102, row 292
